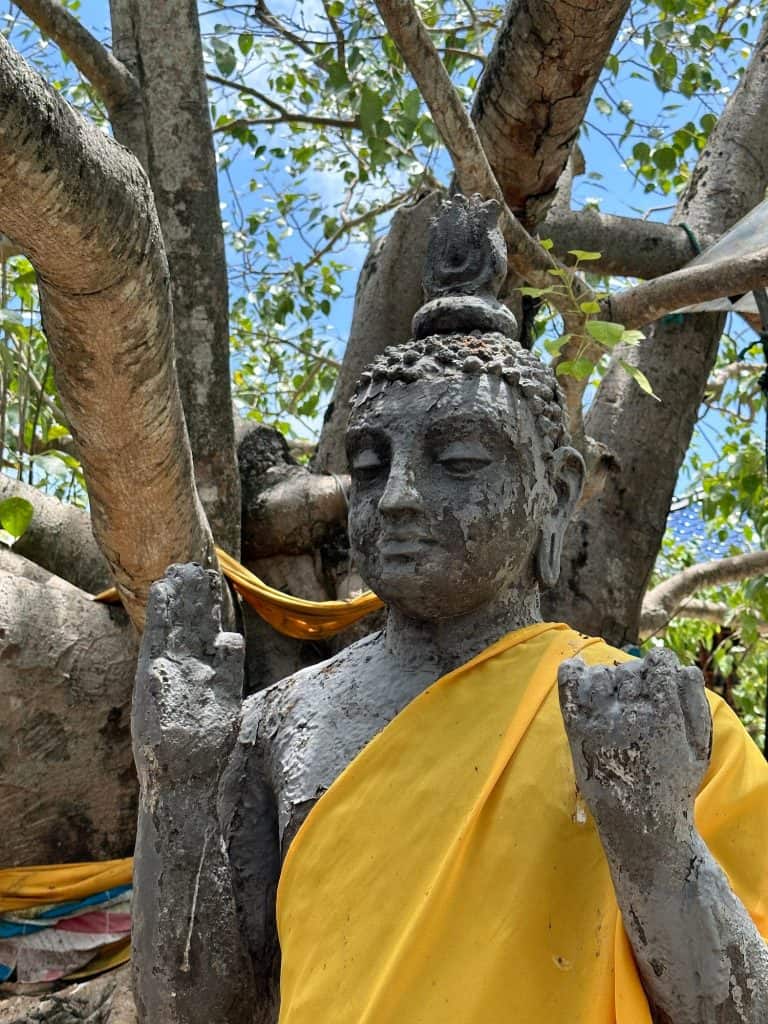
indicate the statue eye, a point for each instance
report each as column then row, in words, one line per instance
column 464, row 459
column 366, row 464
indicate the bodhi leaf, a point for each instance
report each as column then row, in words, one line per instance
column 639, row 377
column 584, row 254
column 15, row 517
column 607, row 333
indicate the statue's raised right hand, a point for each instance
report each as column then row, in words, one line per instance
column 186, row 702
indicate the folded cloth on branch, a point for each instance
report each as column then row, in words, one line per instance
column 293, row 616
column 64, row 920
column 452, row 871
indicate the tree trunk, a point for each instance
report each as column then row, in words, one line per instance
column 614, row 540
column 66, row 676
column 182, row 170
column 80, row 207
column 389, row 291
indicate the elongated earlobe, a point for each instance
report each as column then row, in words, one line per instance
column 567, row 479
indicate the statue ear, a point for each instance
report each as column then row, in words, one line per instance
column 567, row 481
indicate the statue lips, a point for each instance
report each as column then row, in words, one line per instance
column 404, row 545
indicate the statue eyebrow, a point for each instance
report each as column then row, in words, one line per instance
column 462, row 424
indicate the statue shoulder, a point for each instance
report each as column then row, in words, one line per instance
column 300, row 693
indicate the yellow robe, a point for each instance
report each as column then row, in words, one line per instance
column 452, row 875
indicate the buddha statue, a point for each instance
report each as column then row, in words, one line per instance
column 471, row 816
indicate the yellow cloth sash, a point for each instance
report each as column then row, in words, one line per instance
column 453, row 874
column 28, row 887
column 293, row 616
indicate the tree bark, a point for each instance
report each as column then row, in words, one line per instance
column 66, row 676
column 629, row 247
column 389, row 291
column 614, row 539
column 535, row 90
column 80, row 207
column 182, row 169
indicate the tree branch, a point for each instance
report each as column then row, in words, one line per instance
column 653, row 299
column 703, row 611
column 80, row 208
column 110, row 78
column 663, row 601
column 629, row 247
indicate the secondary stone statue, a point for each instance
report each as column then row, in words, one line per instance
column 418, row 828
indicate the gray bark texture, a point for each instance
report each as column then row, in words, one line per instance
column 614, row 539
column 535, row 90
column 182, row 170
column 66, row 676
column 628, row 246
column 59, row 538
column 80, row 207
column 389, row 292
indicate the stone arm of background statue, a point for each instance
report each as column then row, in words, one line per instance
column 189, row 960
column 641, row 735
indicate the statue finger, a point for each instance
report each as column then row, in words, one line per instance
column 696, row 714
column 631, row 682
column 193, row 610
column 229, row 664
column 601, row 687
column 660, row 670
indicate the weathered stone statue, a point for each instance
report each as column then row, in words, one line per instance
column 458, row 864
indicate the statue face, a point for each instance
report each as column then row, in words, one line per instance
column 449, row 491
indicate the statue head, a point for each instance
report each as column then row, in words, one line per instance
column 463, row 480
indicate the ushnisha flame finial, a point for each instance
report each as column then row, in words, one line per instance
column 466, row 266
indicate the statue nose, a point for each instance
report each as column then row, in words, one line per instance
column 401, row 493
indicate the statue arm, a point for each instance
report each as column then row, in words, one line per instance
column 700, row 956
column 189, row 960
column 640, row 735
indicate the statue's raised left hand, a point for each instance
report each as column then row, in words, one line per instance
column 640, row 734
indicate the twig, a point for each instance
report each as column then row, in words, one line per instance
column 354, row 222
column 266, row 17
column 289, row 117
column 337, row 31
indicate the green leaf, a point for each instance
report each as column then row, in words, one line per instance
column 224, row 55
column 546, row 243
column 639, row 377
column 583, row 254
column 579, row 368
column 371, row 109
column 245, row 43
column 641, row 151
column 606, row 333
column 603, row 106
column 555, row 345
column 631, row 337
column 665, row 158
column 534, row 293
column 589, row 307
column 15, row 516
